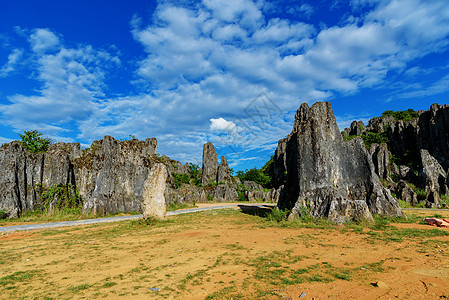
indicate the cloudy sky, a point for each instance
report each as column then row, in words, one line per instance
column 231, row 72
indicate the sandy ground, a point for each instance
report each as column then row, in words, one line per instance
column 225, row 254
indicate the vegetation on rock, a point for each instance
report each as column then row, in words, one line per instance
column 33, row 141
column 404, row 115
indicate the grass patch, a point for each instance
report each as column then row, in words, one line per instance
column 78, row 288
column 16, row 277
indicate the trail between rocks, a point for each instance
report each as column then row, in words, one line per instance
column 125, row 218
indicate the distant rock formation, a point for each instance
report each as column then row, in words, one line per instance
column 210, row 164
column 327, row 177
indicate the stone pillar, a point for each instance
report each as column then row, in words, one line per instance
column 154, row 193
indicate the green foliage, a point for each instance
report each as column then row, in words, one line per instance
column 347, row 137
column 62, row 196
column 405, row 115
column 370, row 138
column 179, row 179
column 33, row 141
column 278, row 215
column 256, row 175
column 444, row 201
column 3, row 214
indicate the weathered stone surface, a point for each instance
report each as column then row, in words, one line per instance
column 381, row 160
column 225, row 193
column 356, row 128
column 328, row 177
column 185, row 194
column 223, row 172
column 252, row 186
column 404, row 192
column 378, row 124
column 111, row 174
column 210, row 164
column 154, row 193
column 25, row 175
column 279, row 163
column 433, row 177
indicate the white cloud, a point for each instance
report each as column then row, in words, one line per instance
column 221, row 124
column 72, row 81
column 213, row 58
column 44, row 40
column 13, row 59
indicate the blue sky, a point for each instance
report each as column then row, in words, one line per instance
column 230, row 72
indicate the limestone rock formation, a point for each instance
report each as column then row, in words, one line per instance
column 404, row 192
column 327, row 177
column 356, row 128
column 433, row 176
column 223, row 172
column 109, row 176
column 225, row 193
column 210, row 164
column 154, row 193
column 381, row 160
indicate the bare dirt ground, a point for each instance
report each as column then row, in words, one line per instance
column 227, row 254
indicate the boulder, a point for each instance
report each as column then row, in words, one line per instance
column 210, row 164
column 154, row 193
column 330, row 178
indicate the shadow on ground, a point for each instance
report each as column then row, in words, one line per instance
column 260, row 211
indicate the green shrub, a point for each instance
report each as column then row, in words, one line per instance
column 179, row 179
column 370, row 138
column 33, row 141
column 3, row 214
column 405, row 115
column 278, row 215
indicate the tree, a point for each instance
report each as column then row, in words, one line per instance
column 33, row 141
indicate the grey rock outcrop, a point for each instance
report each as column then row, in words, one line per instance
column 223, row 172
column 210, row 164
column 433, row 176
column 225, row 193
column 154, row 193
column 381, row 160
column 109, row 176
column 406, row 193
column 356, row 128
column 327, row 177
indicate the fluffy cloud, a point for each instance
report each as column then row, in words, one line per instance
column 205, row 64
column 221, row 124
column 44, row 40
column 72, row 81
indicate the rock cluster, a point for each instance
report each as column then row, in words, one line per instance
column 326, row 176
column 417, row 154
